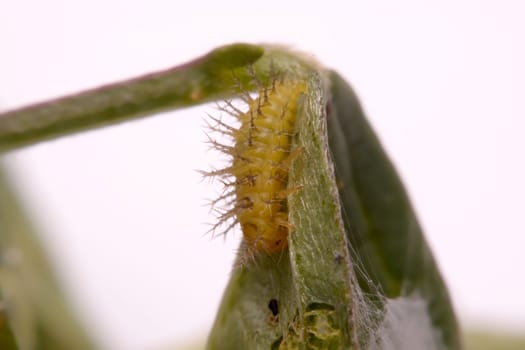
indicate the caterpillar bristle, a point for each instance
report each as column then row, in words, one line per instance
column 255, row 183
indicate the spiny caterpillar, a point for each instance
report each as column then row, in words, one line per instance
column 256, row 180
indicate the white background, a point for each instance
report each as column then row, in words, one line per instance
column 123, row 210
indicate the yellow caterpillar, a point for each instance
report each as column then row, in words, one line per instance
column 256, row 180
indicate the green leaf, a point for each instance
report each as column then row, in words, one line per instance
column 311, row 282
column 385, row 237
column 493, row 340
column 7, row 340
column 37, row 311
column 358, row 273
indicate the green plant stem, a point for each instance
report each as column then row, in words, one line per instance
column 196, row 82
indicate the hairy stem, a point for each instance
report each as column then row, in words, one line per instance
column 196, row 82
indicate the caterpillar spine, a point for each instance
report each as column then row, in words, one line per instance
column 260, row 157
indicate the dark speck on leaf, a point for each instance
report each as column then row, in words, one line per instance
column 274, row 307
